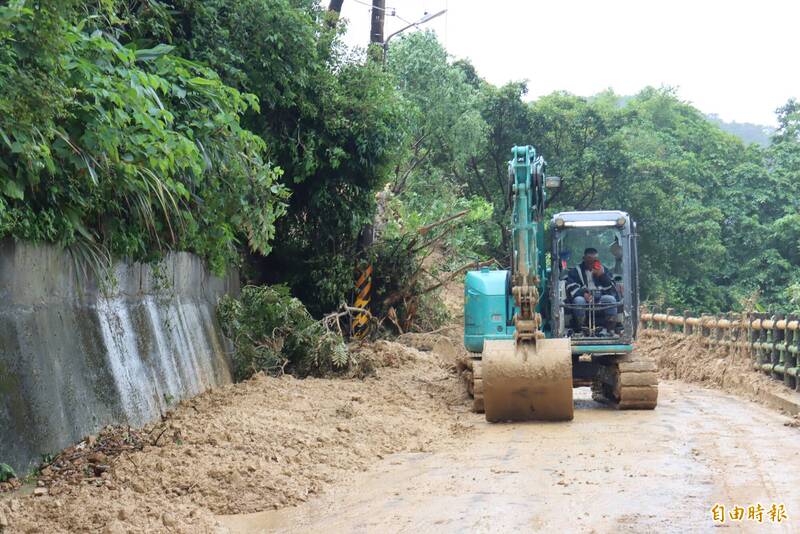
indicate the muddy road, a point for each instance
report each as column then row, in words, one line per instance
column 400, row 451
column 606, row 471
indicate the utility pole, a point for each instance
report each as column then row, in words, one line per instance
column 360, row 325
column 378, row 17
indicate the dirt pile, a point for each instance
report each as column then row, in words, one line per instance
column 9, row 485
column 88, row 460
column 687, row 358
column 262, row 444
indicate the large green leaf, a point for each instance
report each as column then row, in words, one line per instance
column 149, row 54
column 6, row 473
column 12, row 189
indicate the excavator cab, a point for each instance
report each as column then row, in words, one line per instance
column 613, row 235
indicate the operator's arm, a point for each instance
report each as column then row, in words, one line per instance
column 574, row 285
column 604, row 281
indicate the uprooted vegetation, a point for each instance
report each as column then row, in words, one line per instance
column 273, row 332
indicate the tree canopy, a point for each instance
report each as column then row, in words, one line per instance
column 245, row 131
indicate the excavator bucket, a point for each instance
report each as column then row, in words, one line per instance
column 527, row 381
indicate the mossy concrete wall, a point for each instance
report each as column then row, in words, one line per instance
column 78, row 352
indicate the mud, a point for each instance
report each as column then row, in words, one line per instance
column 263, row 444
column 400, row 452
column 688, row 359
column 606, row 471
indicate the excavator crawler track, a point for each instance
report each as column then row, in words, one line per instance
column 628, row 382
column 477, row 386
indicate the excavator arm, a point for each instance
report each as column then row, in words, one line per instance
column 525, row 173
column 527, row 377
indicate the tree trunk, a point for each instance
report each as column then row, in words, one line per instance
column 376, row 29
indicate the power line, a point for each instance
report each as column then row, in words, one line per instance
column 391, row 11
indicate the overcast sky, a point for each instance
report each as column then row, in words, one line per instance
column 734, row 58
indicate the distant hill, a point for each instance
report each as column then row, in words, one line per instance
column 747, row 132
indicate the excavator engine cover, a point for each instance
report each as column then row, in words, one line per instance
column 527, row 381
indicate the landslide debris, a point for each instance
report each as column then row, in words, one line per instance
column 261, row 444
column 687, row 358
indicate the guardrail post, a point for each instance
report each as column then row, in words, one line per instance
column 752, row 338
column 743, row 335
column 687, row 328
column 761, row 347
column 771, row 353
column 727, row 334
column 704, row 330
column 712, row 329
column 778, row 348
column 787, row 361
column 792, row 354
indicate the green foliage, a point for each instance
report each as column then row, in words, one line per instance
column 132, row 149
column 128, row 128
column 274, row 333
column 445, row 127
column 6, row 473
column 793, row 294
column 332, row 122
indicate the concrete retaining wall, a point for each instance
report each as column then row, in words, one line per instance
column 77, row 354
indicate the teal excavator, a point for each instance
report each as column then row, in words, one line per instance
column 530, row 344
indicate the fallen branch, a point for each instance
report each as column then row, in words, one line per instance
column 344, row 310
column 392, row 316
column 427, row 228
column 397, row 296
column 455, row 273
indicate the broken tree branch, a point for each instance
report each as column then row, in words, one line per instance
column 427, row 228
column 455, row 273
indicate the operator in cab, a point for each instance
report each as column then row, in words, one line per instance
column 591, row 282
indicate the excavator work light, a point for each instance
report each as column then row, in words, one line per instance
column 552, row 182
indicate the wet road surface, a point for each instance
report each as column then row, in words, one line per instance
column 606, row 471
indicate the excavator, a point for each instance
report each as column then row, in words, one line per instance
column 530, row 344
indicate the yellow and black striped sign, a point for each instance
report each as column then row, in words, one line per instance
column 363, row 289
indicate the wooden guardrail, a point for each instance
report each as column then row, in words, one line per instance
column 773, row 341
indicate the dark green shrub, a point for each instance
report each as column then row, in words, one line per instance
column 273, row 332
